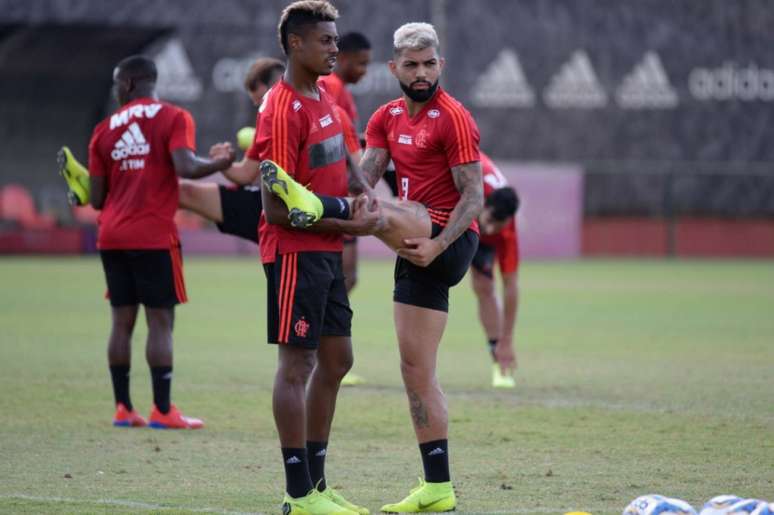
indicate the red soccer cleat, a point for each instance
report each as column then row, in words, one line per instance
column 173, row 420
column 126, row 418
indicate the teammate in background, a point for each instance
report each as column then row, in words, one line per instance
column 308, row 310
column 235, row 210
column 433, row 141
column 351, row 66
column 135, row 156
column 498, row 239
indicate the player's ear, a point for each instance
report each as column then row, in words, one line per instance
column 393, row 66
column 294, row 41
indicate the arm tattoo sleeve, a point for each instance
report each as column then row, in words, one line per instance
column 467, row 179
column 373, row 164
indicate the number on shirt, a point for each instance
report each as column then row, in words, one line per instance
column 404, row 187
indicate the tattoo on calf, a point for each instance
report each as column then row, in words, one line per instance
column 418, row 410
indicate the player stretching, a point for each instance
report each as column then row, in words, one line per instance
column 235, row 210
column 433, row 142
column 308, row 310
column 135, row 156
column 498, row 239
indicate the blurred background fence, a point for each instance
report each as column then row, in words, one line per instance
column 662, row 112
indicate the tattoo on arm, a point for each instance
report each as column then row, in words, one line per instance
column 467, row 179
column 372, row 166
column 418, row 410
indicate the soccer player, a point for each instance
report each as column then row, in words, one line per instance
column 309, row 317
column 433, row 141
column 135, row 156
column 235, row 210
column 498, row 239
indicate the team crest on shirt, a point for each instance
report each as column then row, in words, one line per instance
column 404, row 139
column 301, row 328
column 395, row 111
column 420, row 140
column 433, row 113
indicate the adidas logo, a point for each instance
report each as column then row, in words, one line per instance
column 575, row 85
column 177, row 80
column 131, row 143
column 503, row 84
column 647, row 86
column 436, row 452
column 293, row 460
column 321, row 453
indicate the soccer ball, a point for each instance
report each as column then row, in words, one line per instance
column 719, row 505
column 764, row 508
column 658, row 505
column 733, row 505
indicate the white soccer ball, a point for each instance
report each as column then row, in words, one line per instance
column 719, row 505
column 658, row 505
column 764, row 508
column 733, row 505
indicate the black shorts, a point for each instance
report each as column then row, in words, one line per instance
column 153, row 278
column 391, row 179
column 428, row 287
column 241, row 208
column 483, row 260
column 306, row 299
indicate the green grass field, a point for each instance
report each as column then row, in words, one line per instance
column 635, row 377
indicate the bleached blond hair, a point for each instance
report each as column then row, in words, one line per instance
column 415, row 36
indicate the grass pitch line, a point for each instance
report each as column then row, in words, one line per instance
column 157, row 507
column 123, row 504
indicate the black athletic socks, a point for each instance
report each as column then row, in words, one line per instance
column 316, row 451
column 120, row 376
column 435, row 460
column 334, row 207
column 492, row 342
column 297, row 480
column 162, row 385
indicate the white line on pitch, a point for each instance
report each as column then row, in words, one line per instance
column 122, row 503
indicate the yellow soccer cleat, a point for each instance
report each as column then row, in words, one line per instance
column 426, row 498
column 313, row 503
column 500, row 380
column 304, row 208
column 352, row 380
column 339, row 499
column 75, row 175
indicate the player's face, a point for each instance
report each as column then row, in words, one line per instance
column 354, row 65
column 317, row 49
column 120, row 88
column 261, row 89
column 488, row 224
column 417, row 70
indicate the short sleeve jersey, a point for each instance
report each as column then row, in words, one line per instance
column 506, row 242
column 340, row 94
column 304, row 136
column 425, row 148
column 132, row 150
column 351, row 141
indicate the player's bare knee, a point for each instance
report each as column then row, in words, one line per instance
column 296, row 366
column 415, row 373
column 483, row 286
column 123, row 321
